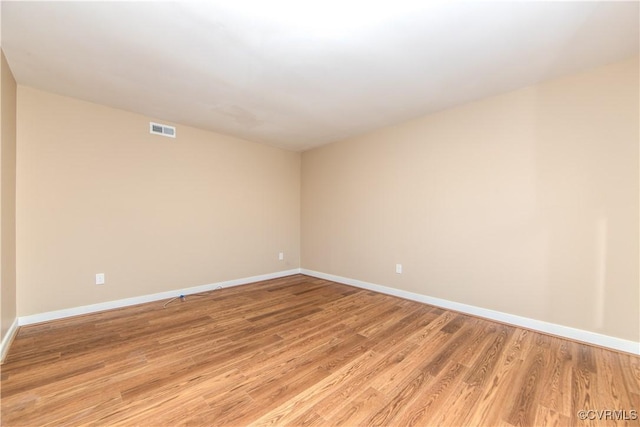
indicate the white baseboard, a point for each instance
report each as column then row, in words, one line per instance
column 87, row 309
column 589, row 337
column 614, row 343
column 8, row 339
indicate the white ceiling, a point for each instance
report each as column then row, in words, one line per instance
column 297, row 74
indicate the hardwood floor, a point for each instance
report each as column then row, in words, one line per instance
column 305, row 351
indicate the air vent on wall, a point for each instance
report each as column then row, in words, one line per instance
column 164, row 130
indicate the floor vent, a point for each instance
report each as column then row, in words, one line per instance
column 164, row 130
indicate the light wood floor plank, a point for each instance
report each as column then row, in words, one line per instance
column 305, row 351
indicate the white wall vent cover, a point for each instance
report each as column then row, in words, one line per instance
column 164, row 130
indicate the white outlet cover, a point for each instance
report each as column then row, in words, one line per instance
column 399, row 268
column 281, row 256
column 100, row 279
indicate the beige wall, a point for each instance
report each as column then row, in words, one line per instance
column 98, row 194
column 525, row 203
column 7, row 197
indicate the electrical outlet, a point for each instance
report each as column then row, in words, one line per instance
column 100, row 279
column 399, row 268
column 281, row 256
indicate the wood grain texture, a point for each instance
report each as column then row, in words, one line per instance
column 305, row 351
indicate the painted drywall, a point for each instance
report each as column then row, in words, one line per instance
column 7, row 198
column 97, row 193
column 525, row 203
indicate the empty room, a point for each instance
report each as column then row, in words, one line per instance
column 409, row 213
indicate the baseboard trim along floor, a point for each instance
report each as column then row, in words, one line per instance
column 581, row 335
column 8, row 339
column 93, row 308
column 511, row 319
